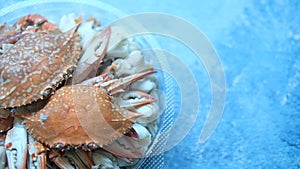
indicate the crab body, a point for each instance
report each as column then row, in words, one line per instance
column 62, row 121
column 32, row 68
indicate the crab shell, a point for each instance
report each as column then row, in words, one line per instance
column 80, row 115
column 35, row 65
column 8, row 35
column 6, row 120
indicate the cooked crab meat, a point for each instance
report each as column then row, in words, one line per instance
column 122, row 49
column 132, row 64
column 86, row 29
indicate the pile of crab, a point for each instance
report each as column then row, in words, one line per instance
column 73, row 95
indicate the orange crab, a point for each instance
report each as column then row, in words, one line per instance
column 85, row 116
column 34, row 66
column 35, row 22
column 91, row 116
column 27, row 24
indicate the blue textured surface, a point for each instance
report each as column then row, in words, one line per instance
column 258, row 44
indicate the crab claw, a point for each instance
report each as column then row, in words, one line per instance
column 118, row 85
column 92, row 57
column 37, row 154
column 16, row 147
column 134, row 99
column 127, row 147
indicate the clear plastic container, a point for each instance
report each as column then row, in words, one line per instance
column 180, row 76
column 53, row 10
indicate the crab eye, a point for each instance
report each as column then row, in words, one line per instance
column 58, row 146
column 92, row 146
column 70, row 70
column 47, row 92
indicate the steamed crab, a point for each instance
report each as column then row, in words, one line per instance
column 47, row 61
column 29, row 23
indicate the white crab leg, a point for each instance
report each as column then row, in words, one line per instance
column 80, row 158
column 16, row 147
column 2, row 152
column 2, row 157
column 104, row 159
column 61, row 162
column 129, row 147
column 37, row 154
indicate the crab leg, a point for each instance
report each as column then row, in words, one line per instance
column 2, row 153
column 103, row 159
column 131, row 147
column 132, row 99
column 97, row 80
column 84, row 156
column 80, row 158
column 72, row 159
column 118, row 85
column 16, row 147
column 2, row 157
column 135, row 99
column 37, row 154
column 60, row 161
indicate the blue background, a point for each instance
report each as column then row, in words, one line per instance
column 258, row 45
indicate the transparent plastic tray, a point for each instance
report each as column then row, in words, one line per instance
column 53, row 10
